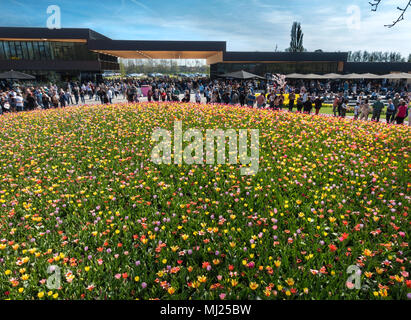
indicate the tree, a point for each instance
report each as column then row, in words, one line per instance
column 377, row 56
column 365, row 56
column 409, row 58
column 297, row 35
column 376, row 3
column 122, row 69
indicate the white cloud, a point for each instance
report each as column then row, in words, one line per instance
column 259, row 25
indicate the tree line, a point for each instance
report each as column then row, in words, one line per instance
column 376, row 56
column 296, row 45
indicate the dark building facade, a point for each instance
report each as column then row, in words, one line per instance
column 377, row 67
column 63, row 54
column 261, row 63
column 53, row 54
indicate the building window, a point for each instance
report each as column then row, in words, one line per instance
column 30, row 50
column 25, row 53
column 36, row 51
column 2, row 53
column 6, row 50
column 12, row 50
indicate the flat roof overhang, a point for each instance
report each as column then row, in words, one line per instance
column 44, row 39
column 33, row 34
column 267, row 57
column 209, row 50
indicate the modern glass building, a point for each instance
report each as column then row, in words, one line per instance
column 83, row 54
column 53, row 54
column 261, row 63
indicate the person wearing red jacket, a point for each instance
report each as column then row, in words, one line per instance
column 401, row 112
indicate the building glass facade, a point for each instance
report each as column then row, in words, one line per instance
column 45, row 50
column 63, row 51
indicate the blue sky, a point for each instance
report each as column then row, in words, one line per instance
column 246, row 25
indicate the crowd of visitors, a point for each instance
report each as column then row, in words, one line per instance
column 304, row 96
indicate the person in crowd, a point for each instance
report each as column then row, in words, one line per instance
column 291, row 98
column 235, row 98
column 97, row 94
column 82, row 96
column 12, row 100
column 109, row 94
column 55, row 99
column 76, row 93
column 308, row 105
column 226, row 97
column 300, row 104
column 67, row 96
column 378, row 106
column 357, row 110
column 409, row 114
column 163, row 95
column 281, row 102
column 31, row 101
column 396, row 101
column 391, row 111
column 104, row 96
column 250, row 99
column 62, row 98
column 335, row 105
column 401, row 112
column 46, row 101
column 270, row 99
column 344, row 107
column 207, row 94
column 318, row 103
column 156, row 95
column 149, row 95
column 242, row 98
column 187, row 96
column 340, row 104
column 19, row 102
column 198, row 96
column 365, row 110
column 261, row 101
column 277, row 102
column 4, row 103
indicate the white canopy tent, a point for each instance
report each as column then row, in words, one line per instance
column 400, row 75
column 294, row 76
column 332, row 76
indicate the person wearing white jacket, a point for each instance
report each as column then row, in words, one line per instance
column 110, row 95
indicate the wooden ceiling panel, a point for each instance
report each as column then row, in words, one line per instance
column 160, row 54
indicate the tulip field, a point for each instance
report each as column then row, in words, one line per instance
column 85, row 213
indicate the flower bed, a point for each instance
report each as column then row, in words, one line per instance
column 79, row 195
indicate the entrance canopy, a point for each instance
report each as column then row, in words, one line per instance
column 212, row 51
